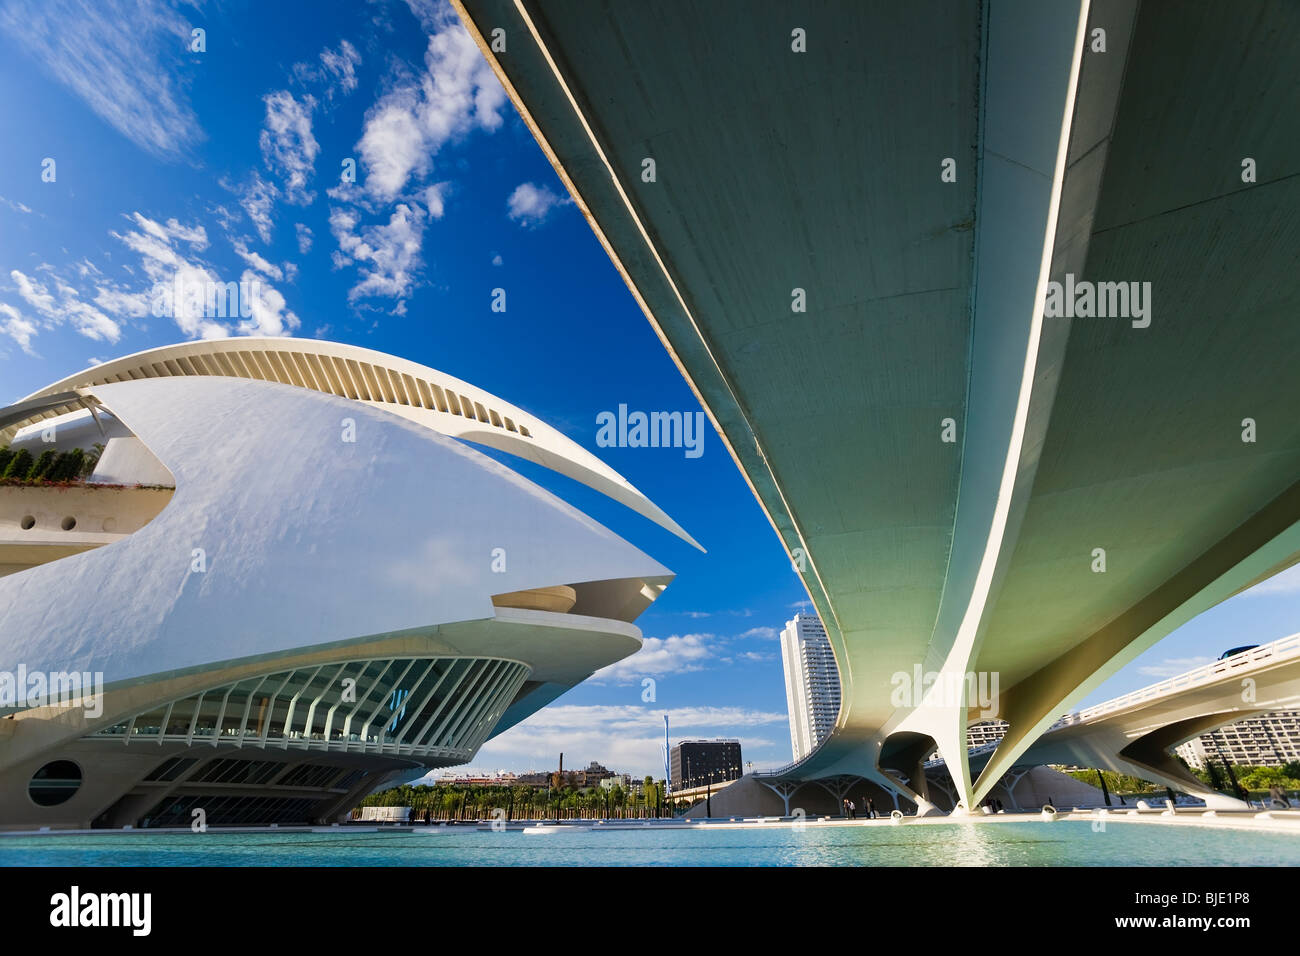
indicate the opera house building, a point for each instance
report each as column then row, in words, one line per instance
column 261, row 578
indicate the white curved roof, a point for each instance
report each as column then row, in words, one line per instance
column 305, row 541
column 416, row 392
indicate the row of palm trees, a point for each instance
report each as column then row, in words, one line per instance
column 450, row 802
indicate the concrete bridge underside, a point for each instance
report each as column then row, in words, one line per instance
column 1139, row 739
column 776, row 171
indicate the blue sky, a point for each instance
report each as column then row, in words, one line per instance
column 227, row 164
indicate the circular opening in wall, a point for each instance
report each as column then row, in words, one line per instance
column 54, row 783
column 28, row 523
column 69, row 523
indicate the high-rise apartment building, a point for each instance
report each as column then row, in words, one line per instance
column 812, row 683
column 1269, row 740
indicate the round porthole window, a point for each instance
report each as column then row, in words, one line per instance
column 28, row 523
column 54, row 783
column 69, row 523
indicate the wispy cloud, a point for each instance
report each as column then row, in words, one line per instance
column 288, row 146
column 531, row 205
column 122, row 63
column 335, row 71
column 404, row 131
column 62, row 304
column 169, row 259
column 388, row 255
column 17, row 328
column 257, row 199
column 16, row 206
column 678, row 654
column 257, row 261
column 1285, row 582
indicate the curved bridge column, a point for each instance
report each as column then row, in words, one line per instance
column 1152, row 755
column 1249, row 554
column 1021, row 179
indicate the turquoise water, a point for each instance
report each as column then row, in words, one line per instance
column 1033, row 843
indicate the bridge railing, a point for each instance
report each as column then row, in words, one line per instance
column 1244, row 662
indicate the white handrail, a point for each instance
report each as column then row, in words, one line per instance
column 1250, row 660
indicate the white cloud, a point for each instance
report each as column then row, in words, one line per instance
column 678, row 654
column 457, row 94
column 304, row 238
column 1284, row 582
column 434, row 199
column 388, row 255
column 530, row 205
column 337, row 70
column 15, row 205
column 17, row 328
column 168, row 261
column 288, row 146
column 267, row 305
column 764, row 632
column 33, row 292
column 196, row 236
column 114, row 299
column 269, row 269
column 122, row 65
column 256, row 199
column 167, row 267
column 66, row 306
column 496, row 260
column 89, row 321
column 392, row 147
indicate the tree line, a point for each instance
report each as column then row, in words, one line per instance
column 20, row 467
column 450, row 801
column 1255, row 780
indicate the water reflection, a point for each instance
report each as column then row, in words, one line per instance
column 1015, row 843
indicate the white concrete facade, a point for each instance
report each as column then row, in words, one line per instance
column 332, row 579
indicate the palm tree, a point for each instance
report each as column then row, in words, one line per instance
column 92, row 459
